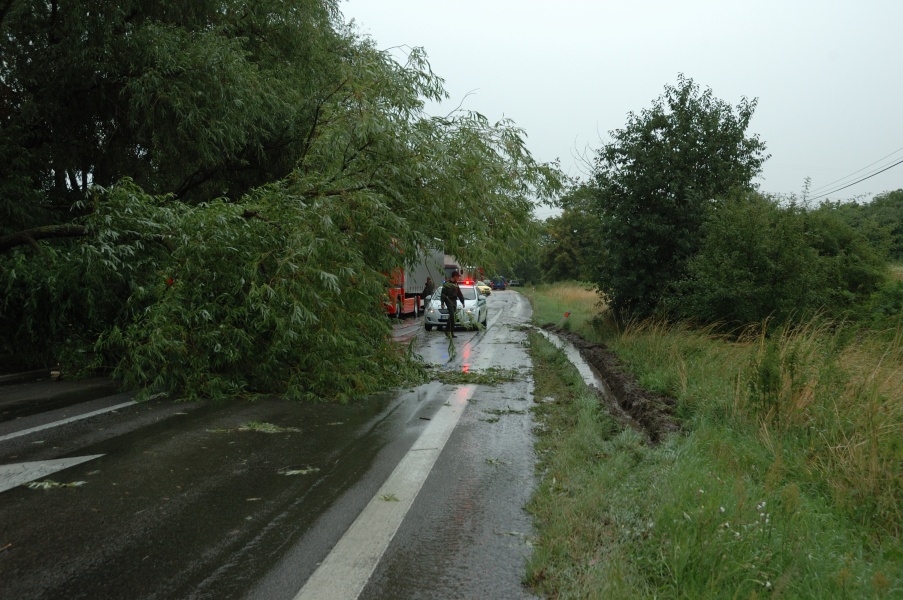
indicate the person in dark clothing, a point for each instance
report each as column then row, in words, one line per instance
column 428, row 288
column 451, row 293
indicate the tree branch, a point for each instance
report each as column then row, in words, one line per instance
column 31, row 236
column 253, row 214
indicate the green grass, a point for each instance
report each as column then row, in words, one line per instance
column 786, row 480
column 576, row 300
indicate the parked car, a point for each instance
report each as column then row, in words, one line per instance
column 472, row 312
column 514, row 283
column 484, row 288
column 499, row 283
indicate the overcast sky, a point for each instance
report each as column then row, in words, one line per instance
column 828, row 74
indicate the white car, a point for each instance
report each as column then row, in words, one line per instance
column 474, row 310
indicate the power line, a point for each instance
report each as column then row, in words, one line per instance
column 854, row 172
column 855, row 182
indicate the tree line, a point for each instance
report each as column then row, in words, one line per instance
column 670, row 224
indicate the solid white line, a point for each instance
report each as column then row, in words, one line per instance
column 101, row 411
column 348, row 567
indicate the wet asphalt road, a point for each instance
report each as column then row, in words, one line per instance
column 183, row 503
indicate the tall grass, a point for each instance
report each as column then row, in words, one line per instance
column 786, row 480
column 568, row 305
column 838, row 404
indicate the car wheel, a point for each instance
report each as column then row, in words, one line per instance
column 398, row 308
column 485, row 318
column 428, row 327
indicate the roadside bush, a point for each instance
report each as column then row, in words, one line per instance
column 853, row 263
column 760, row 260
column 883, row 213
column 885, row 307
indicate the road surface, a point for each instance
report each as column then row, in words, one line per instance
column 418, row 493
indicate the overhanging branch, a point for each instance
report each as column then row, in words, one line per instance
column 31, row 236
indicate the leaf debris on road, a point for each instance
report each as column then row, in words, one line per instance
column 259, row 427
column 306, row 471
column 49, row 484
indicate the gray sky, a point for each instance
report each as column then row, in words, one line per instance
column 828, row 74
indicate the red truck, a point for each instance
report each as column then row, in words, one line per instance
column 406, row 284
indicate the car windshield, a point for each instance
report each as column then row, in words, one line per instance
column 469, row 293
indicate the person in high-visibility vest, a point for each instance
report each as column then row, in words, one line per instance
column 450, row 295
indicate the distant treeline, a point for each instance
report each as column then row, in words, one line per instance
column 884, row 211
column 670, row 225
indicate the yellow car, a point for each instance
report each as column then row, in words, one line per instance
column 484, row 289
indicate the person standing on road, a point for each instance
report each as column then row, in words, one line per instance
column 451, row 293
column 428, row 288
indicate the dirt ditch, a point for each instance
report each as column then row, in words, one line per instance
column 650, row 413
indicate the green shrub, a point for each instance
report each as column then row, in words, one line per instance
column 763, row 260
column 885, row 307
column 655, row 182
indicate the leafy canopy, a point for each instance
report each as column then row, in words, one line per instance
column 655, row 182
column 884, row 212
column 571, row 248
column 265, row 181
column 200, row 99
column 761, row 259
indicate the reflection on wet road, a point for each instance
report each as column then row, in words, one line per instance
column 467, row 535
column 464, row 534
column 351, row 562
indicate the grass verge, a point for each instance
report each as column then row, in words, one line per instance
column 787, row 480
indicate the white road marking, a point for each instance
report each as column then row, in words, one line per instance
column 93, row 413
column 348, row 567
column 19, row 473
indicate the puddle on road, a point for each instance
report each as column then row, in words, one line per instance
column 573, row 355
